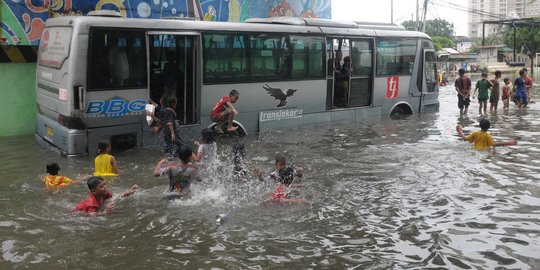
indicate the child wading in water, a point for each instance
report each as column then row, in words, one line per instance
column 495, row 93
column 105, row 164
column 506, row 94
column 53, row 180
column 99, row 194
column 170, row 127
column 482, row 86
column 481, row 138
column 180, row 175
column 207, row 151
column 284, row 176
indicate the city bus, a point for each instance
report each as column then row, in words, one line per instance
column 96, row 73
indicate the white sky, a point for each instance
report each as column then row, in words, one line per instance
column 379, row 11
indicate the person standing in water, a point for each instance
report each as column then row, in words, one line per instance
column 463, row 87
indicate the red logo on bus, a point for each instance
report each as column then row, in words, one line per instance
column 392, row 87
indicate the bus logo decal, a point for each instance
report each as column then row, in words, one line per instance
column 278, row 94
column 392, row 87
column 116, row 107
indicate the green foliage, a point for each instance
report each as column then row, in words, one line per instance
column 437, row 27
column 442, row 42
column 527, row 39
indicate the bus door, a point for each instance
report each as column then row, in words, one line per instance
column 337, row 49
column 174, row 67
column 360, row 73
column 430, row 87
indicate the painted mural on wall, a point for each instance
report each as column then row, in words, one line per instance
column 22, row 21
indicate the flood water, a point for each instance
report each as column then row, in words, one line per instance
column 381, row 194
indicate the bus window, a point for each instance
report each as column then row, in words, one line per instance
column 225, row 58
column 308, row 57
column 395, row 57
column 117, row 59
column 270, row 58
column 54, row 47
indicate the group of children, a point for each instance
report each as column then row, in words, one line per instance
column 519, row 92
column 181, row 169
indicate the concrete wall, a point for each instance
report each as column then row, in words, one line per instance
column 18, row 99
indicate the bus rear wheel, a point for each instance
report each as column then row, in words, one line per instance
column 401, row 111
column 240, row 131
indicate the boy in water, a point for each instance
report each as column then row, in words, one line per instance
column 506, row 94
column 481, row 138
column 284, row 176
column 224, row 111
column 53, row 180
column 207, row 151
column 105, row 164
column 99, row 194
column 170, row 127
column 180, row 175
column 495, row 94
column 463, row 86
column 520, row 93
column 482, row 86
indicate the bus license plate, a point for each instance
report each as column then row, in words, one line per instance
column 50, row 131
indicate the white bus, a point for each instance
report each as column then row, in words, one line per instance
column 95, row 74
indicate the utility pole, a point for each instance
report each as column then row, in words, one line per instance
column 424, row 16
column 417, row 18
column 392, row 11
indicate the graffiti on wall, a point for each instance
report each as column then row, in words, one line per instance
column 22, row 21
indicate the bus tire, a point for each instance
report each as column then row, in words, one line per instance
column 401, row 110
column 240, row 131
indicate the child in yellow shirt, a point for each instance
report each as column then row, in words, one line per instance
column 105, row 164
column 481, row 138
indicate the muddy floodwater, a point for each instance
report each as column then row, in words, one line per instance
column 381, row 194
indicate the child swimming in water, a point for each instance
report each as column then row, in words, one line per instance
column 98, row 196
column 284, row 176
column 180, row 175
column 105, row 164
column 53, row 180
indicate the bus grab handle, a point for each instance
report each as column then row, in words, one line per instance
column 81, row 97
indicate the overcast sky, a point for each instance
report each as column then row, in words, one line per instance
column 379, row 11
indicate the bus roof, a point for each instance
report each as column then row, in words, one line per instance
column 280, row 25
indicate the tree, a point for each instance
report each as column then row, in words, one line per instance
column 437, row 27
column 527, row 39
column 409, row 25
column 442, row 42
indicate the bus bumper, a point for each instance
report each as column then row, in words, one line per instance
column 51, row 134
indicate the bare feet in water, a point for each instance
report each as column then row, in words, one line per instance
column 232, row 129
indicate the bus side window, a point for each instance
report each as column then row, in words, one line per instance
column 395, row 57
column 117, row 59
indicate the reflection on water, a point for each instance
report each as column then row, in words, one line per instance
column 382, row 194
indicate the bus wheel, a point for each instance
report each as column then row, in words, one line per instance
column 240, row 131
column 401, row 111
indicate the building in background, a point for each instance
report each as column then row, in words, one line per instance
column 492, row 10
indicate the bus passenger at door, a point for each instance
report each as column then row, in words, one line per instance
column 346, row 70
column 170, row 127
column 224, row 111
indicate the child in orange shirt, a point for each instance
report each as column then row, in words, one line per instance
column 53, row 180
